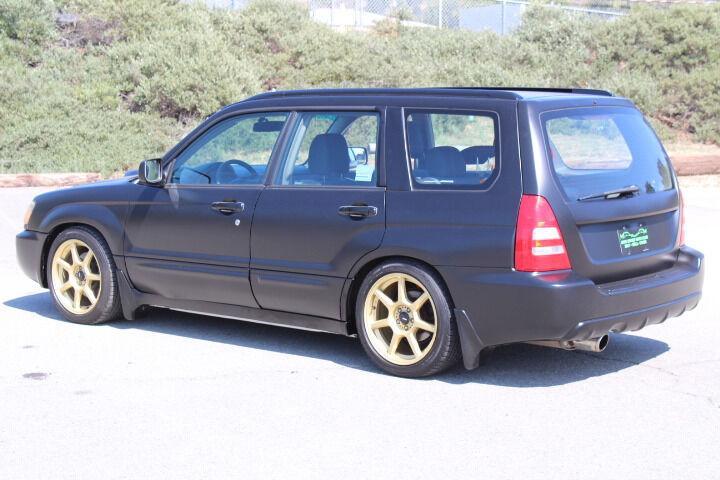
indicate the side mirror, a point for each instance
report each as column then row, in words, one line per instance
column 150, row 172
column 359, row 154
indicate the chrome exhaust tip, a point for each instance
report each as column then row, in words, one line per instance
column 591, row 345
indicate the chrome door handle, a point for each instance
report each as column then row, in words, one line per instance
column 358, row 212
column 226, row 208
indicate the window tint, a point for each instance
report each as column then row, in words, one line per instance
column 604, row 148
column 333, row 148
column 457, row 150
column 236, row 151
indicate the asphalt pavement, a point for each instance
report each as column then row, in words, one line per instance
column 178, row 396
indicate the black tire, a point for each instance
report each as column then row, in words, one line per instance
column 108, row 306
column 444, row 351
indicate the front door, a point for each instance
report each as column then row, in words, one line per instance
column 323, row 212
column 190, row 239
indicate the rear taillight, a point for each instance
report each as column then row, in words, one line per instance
column 539, row 244
column 681, row 220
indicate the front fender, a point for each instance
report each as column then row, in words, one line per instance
column 108, row 219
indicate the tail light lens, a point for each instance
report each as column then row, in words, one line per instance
column 539, row 244
column 681, row 229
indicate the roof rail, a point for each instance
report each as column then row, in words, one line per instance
column 497, row 92
column 581, row 91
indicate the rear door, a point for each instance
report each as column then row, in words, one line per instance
column 618, row 189
column 454, row 181
column 323, row 212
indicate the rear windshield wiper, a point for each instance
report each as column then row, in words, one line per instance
column 612, row 194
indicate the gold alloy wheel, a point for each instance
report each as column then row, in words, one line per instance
column 400, row 319
column 76, row 277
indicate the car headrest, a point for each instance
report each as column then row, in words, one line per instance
column 329, row 155
column 444, row 162
column 478, row 154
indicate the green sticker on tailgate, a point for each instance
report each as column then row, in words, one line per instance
column 633, row 240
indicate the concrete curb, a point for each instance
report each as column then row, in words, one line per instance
column 46, row 179
column 696, row 164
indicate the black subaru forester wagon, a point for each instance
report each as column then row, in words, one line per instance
column 431, row 223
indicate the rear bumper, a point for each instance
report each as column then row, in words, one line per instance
column 28, row 247
column 500, row 306
column 634, row 320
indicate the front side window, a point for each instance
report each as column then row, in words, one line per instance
column 605, row 148
column 236, row 151
column 333, row 149
column 452, row 150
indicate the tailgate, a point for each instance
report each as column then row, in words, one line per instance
column 622, row 207
column 617, row 239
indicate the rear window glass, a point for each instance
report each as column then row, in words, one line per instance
column 452, row 149
column 602, row 149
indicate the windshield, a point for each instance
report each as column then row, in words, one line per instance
column 602, row 149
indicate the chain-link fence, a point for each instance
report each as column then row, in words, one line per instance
column 502, row 16
column 499, row 15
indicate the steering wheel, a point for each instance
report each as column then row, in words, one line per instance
column 226, row 173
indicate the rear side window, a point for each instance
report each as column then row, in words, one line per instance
column 603, row 149
column 452, row 149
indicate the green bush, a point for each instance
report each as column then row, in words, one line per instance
column 185, row 74
column 28, row 21
column 692, row 103
column 65, row 115
column 666, row 42
column 173, row 59
column 667, row 60
column 130, row 76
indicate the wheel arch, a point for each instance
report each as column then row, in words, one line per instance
column 52, row 235
column 361, row 270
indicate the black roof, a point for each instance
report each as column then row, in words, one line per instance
column 509, row 93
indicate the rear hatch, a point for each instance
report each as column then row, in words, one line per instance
column 622, row 214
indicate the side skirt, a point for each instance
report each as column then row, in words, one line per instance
column 132, row 300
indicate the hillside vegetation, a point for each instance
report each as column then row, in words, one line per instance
column 97, row 85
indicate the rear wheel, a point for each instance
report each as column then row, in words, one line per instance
column 404, row 320
column 82, row 278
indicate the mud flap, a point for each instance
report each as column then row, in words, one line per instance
column 127, row 296
column 470, row 342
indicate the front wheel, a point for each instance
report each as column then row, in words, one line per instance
column 405, row 322
column 82, row 277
